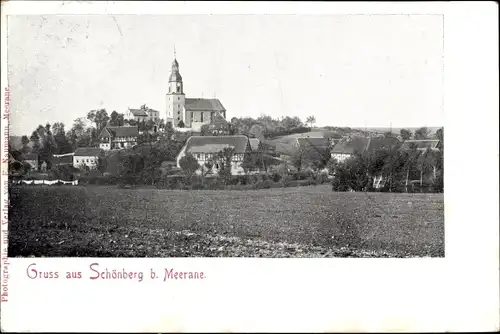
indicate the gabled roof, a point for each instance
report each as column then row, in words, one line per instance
column 362, row 144
column 316, row 142
column 204, row 105
column 138, row 112
column 218, row 120
column 119, row 131
column 66, row 159
column 209, row 143
column 88, row 152
column 423, row 144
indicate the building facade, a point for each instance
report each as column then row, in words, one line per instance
column 87, row 156
column 185, row 112
column 118, row 137
column 206, row 149
column 144, row 114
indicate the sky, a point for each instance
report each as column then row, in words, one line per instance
column 346, row 70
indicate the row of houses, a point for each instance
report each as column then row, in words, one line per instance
column 206, row 148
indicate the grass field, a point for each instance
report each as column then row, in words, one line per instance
column 289, row 222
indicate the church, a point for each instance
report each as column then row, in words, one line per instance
column 189, row 113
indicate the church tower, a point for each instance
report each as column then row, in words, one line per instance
column 175, row 96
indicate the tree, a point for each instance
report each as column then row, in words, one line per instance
column 207, row 167
column 99, row 117
column 422, row 133
column 35, row 141
column 310, row 120
column 298, row 158
column 189, row 164
column 25, row 142
column 62, row 144
column 77, row 135
column 405, row 134
column 113, row 120
column 224, row 159
column 205, row 130
column 289, row 123
column 440, row 137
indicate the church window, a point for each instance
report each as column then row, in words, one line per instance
column 178, row 98
column 201, row 117
column 178, row 89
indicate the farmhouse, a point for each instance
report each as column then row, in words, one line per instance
column 347, row 148
column 206, row 148
column 185, row 112
column 144, row 114
column 87, row 156
column 118, row 137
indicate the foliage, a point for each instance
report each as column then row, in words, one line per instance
column 405, row 134
column 189, row 164
column 224, row 158
column 422, row 133
column 311, row 120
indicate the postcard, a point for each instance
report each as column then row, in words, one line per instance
column 241, row 167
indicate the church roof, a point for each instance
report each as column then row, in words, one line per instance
column 213, row 144
column 204, row 105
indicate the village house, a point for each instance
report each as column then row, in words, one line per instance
column 191, row 113
column 63, row 159
column 207, row 148
column 118, row 137
column 349, row 147
column 144, row 114
column 87, row 156
column 31, row 159
column 218, row 126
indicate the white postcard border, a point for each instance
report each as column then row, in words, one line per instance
column 457, row 293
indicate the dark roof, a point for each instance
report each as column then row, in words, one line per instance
column 88, row 152
column 284, row 145
column 138, row 112
column 420, row 144
column 204, row 105
column 30, row 156
column 67, row 159
column 210, row 143
column 120, row 131
column 317, row 142
column 362, row 144
column 175, row 75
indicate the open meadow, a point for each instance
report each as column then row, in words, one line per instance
column 98, row 221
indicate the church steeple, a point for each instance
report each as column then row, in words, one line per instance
column 175, row 76
column 175, row 95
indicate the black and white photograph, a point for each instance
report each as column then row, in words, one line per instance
column 185, row 166
column 226, row 136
